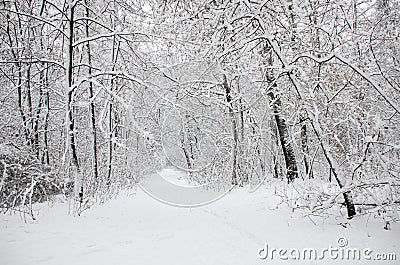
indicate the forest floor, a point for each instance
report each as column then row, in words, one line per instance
column 133, row 228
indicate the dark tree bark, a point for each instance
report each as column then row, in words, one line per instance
column 335, row 171
column 234, row 128
column 78, row 183
column 92, row 110
column 38, row 111
column 277, row 169
column 45, row 156
column 45, row 96
column 334, row 166
column 286, row 144
column 187, row 150
column 284, row 137
column 304, row 147
column 244, row 176
column 189, row 141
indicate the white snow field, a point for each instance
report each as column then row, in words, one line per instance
column 136, row 229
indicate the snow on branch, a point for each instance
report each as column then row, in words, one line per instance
column 347, row 62
column 105, row 35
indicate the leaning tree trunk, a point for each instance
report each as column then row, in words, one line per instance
column 284, row 137
column 334, row 169
column 287, row 146
column 334, row 166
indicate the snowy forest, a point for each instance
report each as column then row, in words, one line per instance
column 297, row 98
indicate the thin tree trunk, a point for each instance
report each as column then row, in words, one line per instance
column 43, row 103
column 334, row 169
column 46, row 121
column 29, row 99
column 78, row 183
column 91, row 99
column 114, row 55
column 110, row 141
column 188, row 156
column 241, row 149
column 21, row 106
column 304, row 147
column 37, row 116
column 111, row 145
column 234, row 129
column 18, row 65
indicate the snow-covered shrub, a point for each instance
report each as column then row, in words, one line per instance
column 24, row 180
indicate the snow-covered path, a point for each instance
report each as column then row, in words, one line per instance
column 140, row 230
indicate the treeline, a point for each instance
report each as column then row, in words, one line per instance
column 99, row 92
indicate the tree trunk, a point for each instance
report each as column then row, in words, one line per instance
column 234, row 129
column 277, row 169
column 91, row 99
column 30, row 121
column 304, row 147
column 78, row 182
column 244, row 174
column 110, row 141
column 188, row 156
column 334, row 169
column 114, row 55
column 286, row 144
column 46, row 157
column 15, row 56
column 315, row 124
column 284, row 137
column 294, row 46
column 38, row 111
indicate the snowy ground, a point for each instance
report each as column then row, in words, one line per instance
column 136, row 229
